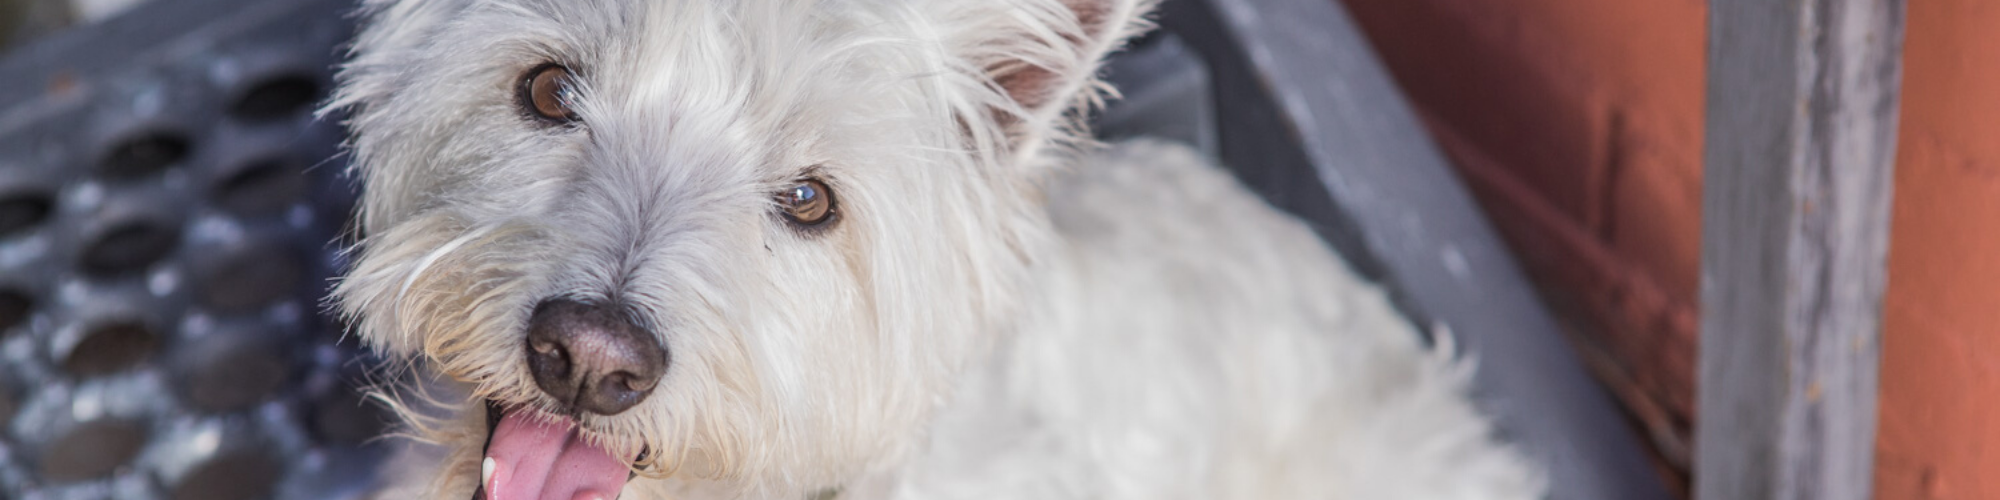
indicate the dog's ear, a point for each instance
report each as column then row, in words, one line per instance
column 1043, row 57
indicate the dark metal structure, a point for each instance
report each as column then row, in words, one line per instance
column 167, row 205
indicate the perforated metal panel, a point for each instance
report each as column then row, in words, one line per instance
column 167, row 207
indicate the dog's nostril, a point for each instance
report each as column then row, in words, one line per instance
column 549, row 361
column 592, row 357
column 544, row 347
column 637, row 383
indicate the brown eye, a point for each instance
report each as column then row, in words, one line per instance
column 548, row 92
column 808, row 203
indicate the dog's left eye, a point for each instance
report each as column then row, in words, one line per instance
column 549, row 92
column 807, row 203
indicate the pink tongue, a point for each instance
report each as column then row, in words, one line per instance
column 538, row 459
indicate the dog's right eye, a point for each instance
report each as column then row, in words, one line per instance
column 807, row 203
column 549, row 92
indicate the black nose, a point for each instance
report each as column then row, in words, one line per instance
column 592, row 357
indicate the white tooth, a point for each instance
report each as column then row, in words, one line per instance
column 486, row 473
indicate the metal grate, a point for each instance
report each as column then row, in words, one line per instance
column 166, row 203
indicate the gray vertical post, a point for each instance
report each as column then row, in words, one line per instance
column 1802, row 103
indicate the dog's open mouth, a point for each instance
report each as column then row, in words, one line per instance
column 532, row 456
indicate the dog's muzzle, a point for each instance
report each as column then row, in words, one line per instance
column 587, row 358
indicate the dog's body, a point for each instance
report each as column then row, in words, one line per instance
column 979, row 314
column 1188, row 341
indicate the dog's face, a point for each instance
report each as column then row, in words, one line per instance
column 746, row 242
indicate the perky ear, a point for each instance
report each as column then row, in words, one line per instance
column 1043, row 57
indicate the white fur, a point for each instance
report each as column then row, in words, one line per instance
column 1002, row 310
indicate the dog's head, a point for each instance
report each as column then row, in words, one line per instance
column 744, row 241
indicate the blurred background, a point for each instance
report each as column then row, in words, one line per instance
column 22, row 21
column 166, row 203
column 168, row 212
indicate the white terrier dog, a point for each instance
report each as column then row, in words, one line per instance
column 800, row 249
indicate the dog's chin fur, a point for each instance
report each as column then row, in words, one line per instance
column 1000, row 309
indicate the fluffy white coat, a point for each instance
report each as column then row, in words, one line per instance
column 1002, row 310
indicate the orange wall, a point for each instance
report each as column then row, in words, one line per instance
column 1578, row 124
column 1939, row 433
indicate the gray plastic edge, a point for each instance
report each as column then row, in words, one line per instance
column 1435, row 247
